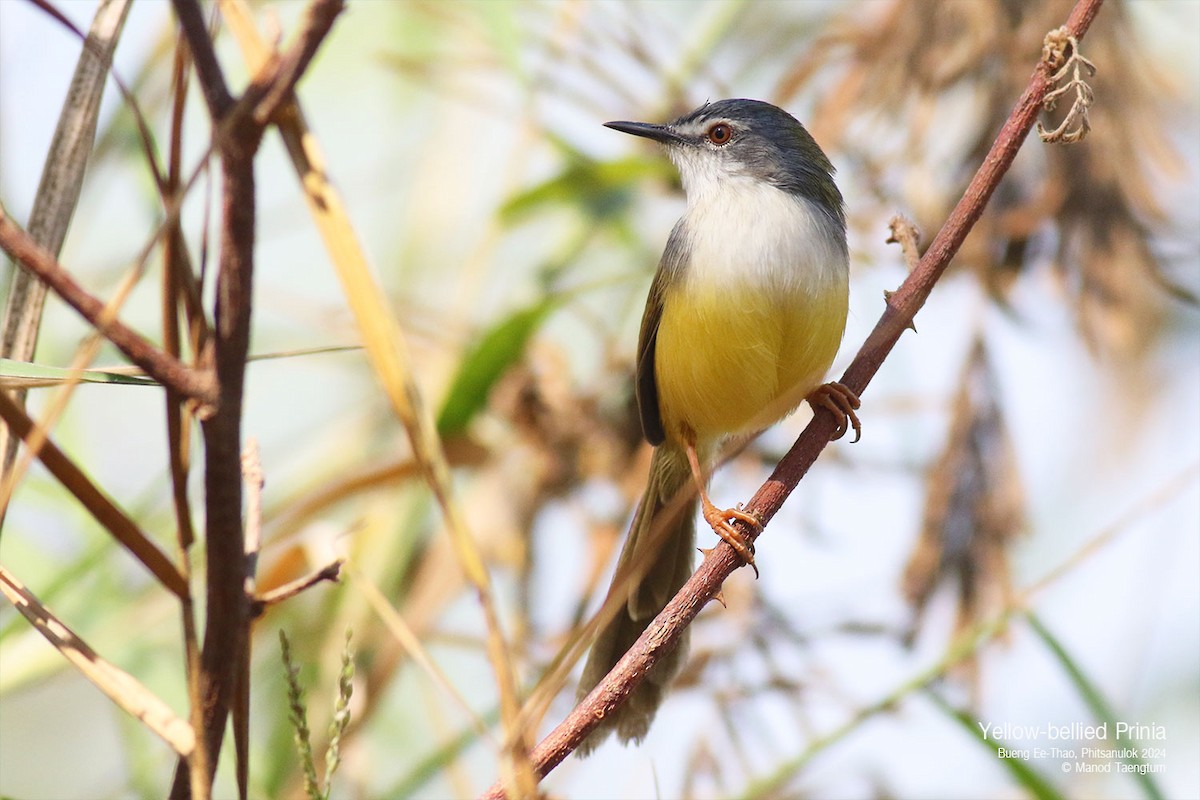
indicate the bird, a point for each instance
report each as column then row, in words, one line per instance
column 743, row 319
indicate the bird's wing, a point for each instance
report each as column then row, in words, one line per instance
column 670, row 270
column 647, row 387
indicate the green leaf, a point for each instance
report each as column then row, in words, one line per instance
column 600, row 189
column 498, row 349
column 1027, row 776
column 26, row 375
column 1095, row 701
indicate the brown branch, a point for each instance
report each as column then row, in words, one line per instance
column 180, row 289
column 176, row 267
column 98, row 504
column 898, row 315
column 228, row 614
column 237, row 135
column 204, row 58
column 330, row 572
column 156, row 363
column 270, row 91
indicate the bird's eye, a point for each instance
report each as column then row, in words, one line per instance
column 720, row 133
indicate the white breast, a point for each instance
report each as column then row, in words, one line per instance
column 745, row 234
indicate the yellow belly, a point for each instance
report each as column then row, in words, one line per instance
column 727, row 362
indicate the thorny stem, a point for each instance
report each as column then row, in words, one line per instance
column 898, row 315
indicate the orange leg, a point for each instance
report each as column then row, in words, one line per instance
column 842, row 403
column 717, row 518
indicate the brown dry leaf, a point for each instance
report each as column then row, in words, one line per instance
column 974, row 505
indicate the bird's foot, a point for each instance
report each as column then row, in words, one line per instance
column 719, row 520
column 840, row 401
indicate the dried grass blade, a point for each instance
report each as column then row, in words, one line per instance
column 121, row 687
column 388, row 355
column 58, row 193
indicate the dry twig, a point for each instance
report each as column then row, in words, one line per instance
column 1055, row 53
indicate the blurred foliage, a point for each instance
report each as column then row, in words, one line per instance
column 942, row 77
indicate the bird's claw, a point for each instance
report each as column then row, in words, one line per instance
column 840, row 401
column 719, row 520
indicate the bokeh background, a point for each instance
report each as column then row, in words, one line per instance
column 1015, row 541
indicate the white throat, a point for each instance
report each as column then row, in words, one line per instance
column 742, row 232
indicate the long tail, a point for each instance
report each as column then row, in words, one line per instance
column 654, row 563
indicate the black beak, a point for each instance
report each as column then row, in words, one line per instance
column 659, row 133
